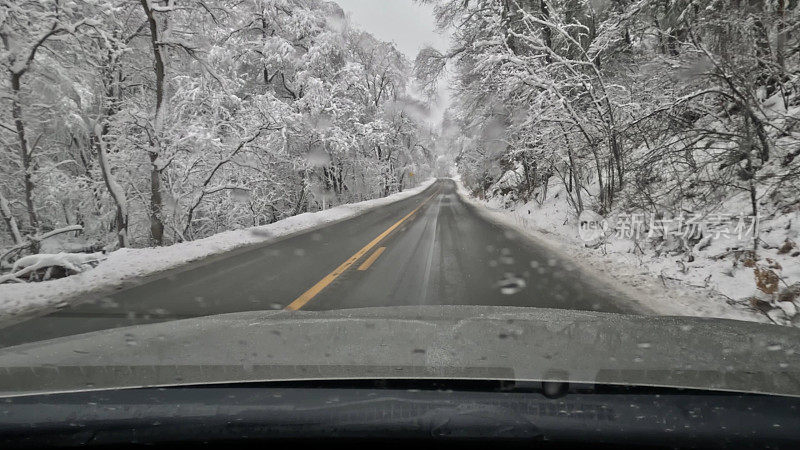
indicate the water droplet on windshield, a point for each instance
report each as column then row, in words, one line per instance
column 131, row 340
column 511, row 284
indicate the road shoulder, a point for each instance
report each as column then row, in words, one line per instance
column 653, row 295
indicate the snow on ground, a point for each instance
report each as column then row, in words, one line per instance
column 707, row 289
column 126, row 267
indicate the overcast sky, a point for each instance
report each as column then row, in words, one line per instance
column 406, row 23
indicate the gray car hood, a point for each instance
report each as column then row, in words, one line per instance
column 453, row 342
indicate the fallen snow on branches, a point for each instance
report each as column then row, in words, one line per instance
column 71, row 262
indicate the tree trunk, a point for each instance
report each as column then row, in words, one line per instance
column 617, row 155
column 576, row 179
column 24, row 151
column 545, row 183
column 754, row 206
column 547, row 34
column 11, row 222
column 156, row 204
column 117, row 194
column 529, row 169
column 780, row 38
column 156, row 224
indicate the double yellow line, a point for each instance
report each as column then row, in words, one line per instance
column 299, row 302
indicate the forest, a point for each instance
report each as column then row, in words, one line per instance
column 657, row 105
column 136, row 123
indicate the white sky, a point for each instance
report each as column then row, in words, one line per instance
column 406, row 23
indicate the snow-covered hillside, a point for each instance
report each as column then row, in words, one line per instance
column 712, row 285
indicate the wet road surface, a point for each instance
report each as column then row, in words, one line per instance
column 429, row 249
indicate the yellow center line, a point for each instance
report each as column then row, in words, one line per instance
column 299, row 302
column 368, row 262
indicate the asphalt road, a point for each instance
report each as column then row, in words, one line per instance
column 429, row 249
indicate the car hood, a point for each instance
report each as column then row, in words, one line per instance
column 452, row 342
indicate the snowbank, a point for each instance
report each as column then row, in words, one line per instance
column 642, row 278
column 126, row 267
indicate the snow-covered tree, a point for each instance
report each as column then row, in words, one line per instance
column 155, row 121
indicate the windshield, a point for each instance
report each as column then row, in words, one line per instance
column 213, row 191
